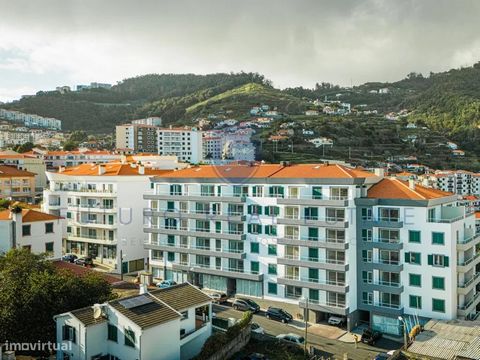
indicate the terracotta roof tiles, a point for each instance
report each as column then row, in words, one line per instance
column 393, row 188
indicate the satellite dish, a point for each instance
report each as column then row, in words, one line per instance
column 97, row 311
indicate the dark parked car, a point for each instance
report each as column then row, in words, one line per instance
column 84, row 261
column 245, row 305
column 69, row 258
column 278, row 314
column 370, row 336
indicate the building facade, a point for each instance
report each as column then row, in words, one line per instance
column 137, row 137
column 314, row 236
column 31, row 229
column 103, row 210
column 17, row 184
column 185, row 143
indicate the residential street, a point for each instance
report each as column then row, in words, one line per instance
column 332, row 348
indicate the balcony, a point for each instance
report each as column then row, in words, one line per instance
column 330, row 222
column 317, row 200
column 97, row 239
column 465, row 287
column 383, row 222
column 330, row 307
column 469, row 307
column 195, row 196
column 466, row 265
column 383, row 243
column 92, row 208
column 199, row 232
column 224, row 271
column 387, row 308
column 468, row 242
column 320, row 284
column 197, row 250
column 193, row 214
column 383, row 265
column 317, row 263
column 383, row 286
column 450, row 214
column 331, row 243
column 83, row 191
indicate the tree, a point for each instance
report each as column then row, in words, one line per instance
column 25, row 147
column 4, row 204
column 33, row 290
column 69, row 145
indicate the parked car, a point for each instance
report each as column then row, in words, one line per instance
column 245, row 305
column 219, row 298
column 69, row 258
column 166, row 284
column 381, row 356
column 370, row 336
column 335, row 320
column 84, row 261
column 278, row 314
column 257, row 329
column 292, row 338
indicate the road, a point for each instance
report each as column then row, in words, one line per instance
column 330, row 348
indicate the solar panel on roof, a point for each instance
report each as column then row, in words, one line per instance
column 135, row 302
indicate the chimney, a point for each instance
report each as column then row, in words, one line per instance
column 143, row 289
column 141, row 170
column 380, row 172
column 61, row 169
column 411, row 183
column 101, row 169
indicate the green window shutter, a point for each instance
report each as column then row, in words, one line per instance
column 274, row 230
column 267, row 210
column 438, row 238
column 407, row 257
column 313, row 274
column 281, row 190
column 249, row 209
column 218, row 227
column 414, row 236
column 259, row 210
column 270, row 191
column 254, row 267
column 438, row 305
column 272, row 288
column 267, row 229
column 272, row 269
column 170, row 205
column 276, row 210
column 249, row 228
column 272, row 249
column 312, row 233
column 254, row 247
column 430, row 259
column 317, row 192
column 313, row 253
column 438, row 283
column 364, row 254
column 415, row 280
column 445, row 261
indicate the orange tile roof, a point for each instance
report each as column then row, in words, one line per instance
column 326, row 171
column 30, row 215
column 477, row 214
column 11, row 171
column 269, row 171
column 404, row 173
column 17, row 156
column 470, row 197
column 111, row 169
column 393, row 188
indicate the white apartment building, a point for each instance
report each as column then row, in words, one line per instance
column 58, row 159
column 31, row 120
column 185, row 143
column 103, row 208
column 137, row 137
column 31, row 229
column 152, row 121
column 14, row 137
column 459, row 182
column 163, row 324
column 344, row 241
column 28, row 163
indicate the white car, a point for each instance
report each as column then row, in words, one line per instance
column 257, row 329
column 292, row 338
column 335, row 320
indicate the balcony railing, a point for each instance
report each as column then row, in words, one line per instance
column 314, row 259
column 314, row 280
column 337, row 304
column 470, row 302
column 469, row 281
column 466, row 262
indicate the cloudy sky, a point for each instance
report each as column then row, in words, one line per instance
column 46, row 43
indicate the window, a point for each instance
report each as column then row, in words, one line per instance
column 272, row 210
column 438, row 305
column 254, row 247
column 184, row 315
column 414, row 236
column 129, row 337
column 438, row 283
column 311, row 213
column 171, row 256
column 254, row 228
column 316, row 192
column 367, row 277
column 415, row 302
column 49, row 247
column 272, row 288
column 366, row 214
column 312, row 233
column 257, row 191
column 48, row 228
column 69, row 333
column 415, row 280
column 276, row 191
column 366, row 234
column 26, row 230
column 438, row 238
column 438, row 260
column 254, row 267
column 367, row 298
column 271, row 230
column 413, row 258
column 112, row 333
column 254, row 210
column 272, row 269
column 69, row 215
column 272, row 249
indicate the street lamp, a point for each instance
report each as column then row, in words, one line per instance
column 305, row 318
column 405, row 340
column 122, row 255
